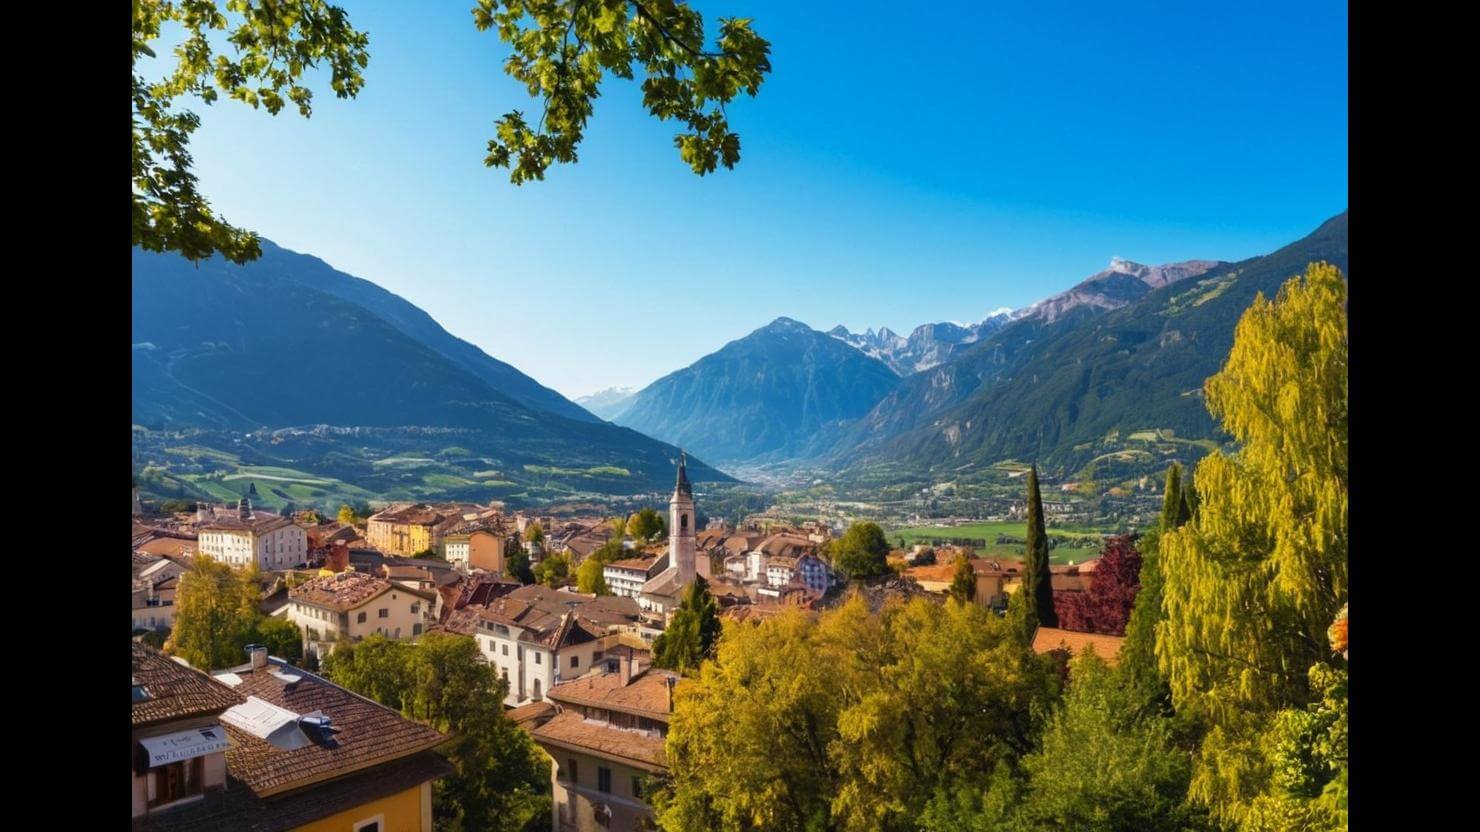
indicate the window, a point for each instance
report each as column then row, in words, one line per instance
column 537, row 657
column 604, row 780
column 575, row 661
column 384, row 612
column 416, row 629
column 177, row 781
column 415, row 608
column 375, row 824
column 360, row 619
column 571, row 770
column 506, row 649
column 536, row 688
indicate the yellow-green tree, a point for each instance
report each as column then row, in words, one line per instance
column 591, row 578
column 1251, row 583
column 215, row 614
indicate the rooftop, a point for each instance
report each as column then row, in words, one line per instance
column 341, row 592
column 171, row 690
column 1052, row 638
column 572, row 730
column 645, row 695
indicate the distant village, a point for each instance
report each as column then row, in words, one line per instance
column 271, row 744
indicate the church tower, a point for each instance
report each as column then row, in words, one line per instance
column 681, row 532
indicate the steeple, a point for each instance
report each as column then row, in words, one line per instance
column 682, row 487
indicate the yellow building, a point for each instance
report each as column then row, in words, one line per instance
column 409, row 530
column 306, row 755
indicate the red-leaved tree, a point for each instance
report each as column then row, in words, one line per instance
column 1105, row 606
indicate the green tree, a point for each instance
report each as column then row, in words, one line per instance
column 215, row 614
column 1252, row 581
column 646, row 524
column 861, row 553
column 517, row 563
column 963, row 582
column 691, row 635
column 533, row 533
column 377, row 667
column 554, row 570
column 349, row 516
column 561, row 51
column 1101, row 767
column 1138, row 655
column 1037, row 580
column 590, row 578
column 281, row 637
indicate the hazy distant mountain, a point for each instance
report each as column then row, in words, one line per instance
column 237, row 349
column 769, row 393
column 927, row 346
column 1127, row 350
column 609, row 402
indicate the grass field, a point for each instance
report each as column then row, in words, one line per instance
column 989, row 533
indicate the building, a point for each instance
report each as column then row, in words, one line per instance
column 806, row 568
column 536, row 636
column 1047, row 639
column 179, row 746
column 300, row 753
column 625, row 578
column 479, row 544
column 662, row 593
column 154, row 586
column 606, row 742
column 269, row 540
column 353, row 605
column 408, row 530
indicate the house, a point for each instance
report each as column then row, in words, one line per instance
column 269, row 540
column 353, row 605
column 268, row 747
column 536, row 636
column 1047, row 639
column 479, row 544
column 154, row 585
column 806, row 568
column 606, row 742
column 410, row 529
column 580, row 546
column 175, row 548
column 625, row 578
column 179, row 746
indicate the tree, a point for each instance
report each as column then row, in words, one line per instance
column 215, row 615
column 554, row 570
column 645, row 524
column 1253, row 580
column 349, row 517
column 590, row 578
column 861, row 553
column 1106, row 605
column 690, row 636
column 517, row 563
column 281, row 637
column 1138, row 655
column 1037, row 580
column 562, row 51
column 1100, row 767
column 963, row 582
column 533, row 533
column 500, row 782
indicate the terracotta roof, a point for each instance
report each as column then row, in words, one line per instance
column 636, row 564
column 1051, row 638
column 786, row 545
column 571, row 730
column 173, row 690
column 646, row 695
column 532, row 714
column 367, row 733
column 341, row 592
column 170, row 547
column 258, row 522
column 541, row 613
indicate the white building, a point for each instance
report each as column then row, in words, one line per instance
column 625, row 578
column 661, row 594
column 271, row 541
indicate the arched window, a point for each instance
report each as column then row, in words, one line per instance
column 683, row 522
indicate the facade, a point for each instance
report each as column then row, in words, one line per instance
column 408, row 530
column 606, row 742
column 535, row 636
column 154, row 595
column 179, row 744
column 353, row 605
column 625, row 578
column 300, row 753
column 269, row 540
column 662, row 593
column 807, row 569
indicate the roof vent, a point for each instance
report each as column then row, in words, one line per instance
column 288, row 679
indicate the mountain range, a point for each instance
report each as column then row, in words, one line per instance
column 927, row 346
column 609, row 402
column 287, row 363
column 767, row 395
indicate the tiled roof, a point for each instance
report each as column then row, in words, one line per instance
column 237, row 809
column 259, row 523
column 532, row 714
column 646, row 695
column 368, row 733
column 341, row 592
column 636, row 564
column 540, row 612
column 664, row 585
column 169, row 547
column 1051, row 638
column 174, row 690
column 572, row 730
column 786, row 545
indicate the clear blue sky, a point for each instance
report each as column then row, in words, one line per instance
column 903, row 164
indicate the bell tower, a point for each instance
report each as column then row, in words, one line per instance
column 681, row 532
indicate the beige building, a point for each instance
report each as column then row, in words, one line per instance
column 271, row 541
column 179, row 745
column 606, row 743
column 479, row 544
column 352, row 605
column 410, row 530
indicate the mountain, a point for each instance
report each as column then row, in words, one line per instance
column 255, row 366
column 279, row 263
column 1072, row 380
column 609, row 402
column 929, row 345
column 767, row 394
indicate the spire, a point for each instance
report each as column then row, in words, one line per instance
column 682, row 487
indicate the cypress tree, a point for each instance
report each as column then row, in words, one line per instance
column 1036, row 577
column 1172, row 502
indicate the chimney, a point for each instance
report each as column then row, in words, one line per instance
column 670, row 681
column 624, row 666
column 201, row 513
column 244, row 509
column 337, row 560
column 258, row 654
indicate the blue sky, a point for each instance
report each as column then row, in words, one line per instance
column 902, row 164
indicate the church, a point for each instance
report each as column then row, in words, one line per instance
column 663, row 593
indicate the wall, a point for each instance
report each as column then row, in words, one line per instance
column 408, row 811
column 486, row 551
column 575, row 800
